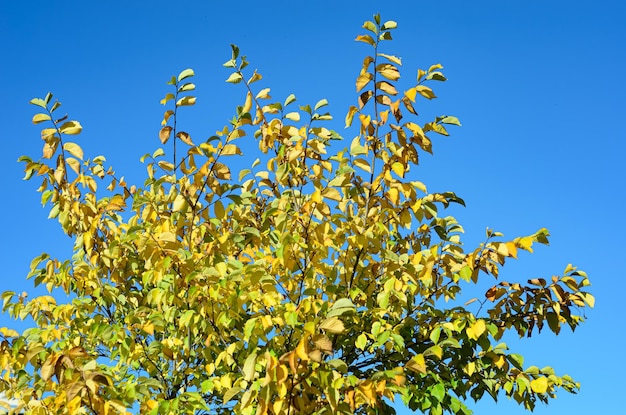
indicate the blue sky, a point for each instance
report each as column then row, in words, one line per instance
column 538, row 86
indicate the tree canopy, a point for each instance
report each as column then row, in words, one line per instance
column 323, row 278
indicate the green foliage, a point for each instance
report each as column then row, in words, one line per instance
column 322, row 279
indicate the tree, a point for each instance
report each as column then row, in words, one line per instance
column 323, row 279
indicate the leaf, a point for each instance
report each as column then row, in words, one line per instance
column 229, row 150
column 186, row 101
column 38, row 118
column 341, row 307
column 371, row 27
column 363, row 79
column 387, row 87
column 38, row 102
column 164, row 134
column 184, row 137
column 321, row 103
column 74, row 149
column 263, row 94
column 398, row 168
column 350, row 115
column 417, row 364
column 290, row 99
column 366, row 39
column 539, row 385
column 425, row 91
column 388, row 71
column 293, row 116
column 448, row 119
column 391, row 58
column 234, row 78
column 74, row 164
column 71, row 128
column 389, row 25
column 187, row 87
column 476, row 329
column 231, row 393
column 248, row 367
column 168, row 97
column 185, row 74
column 332, row 325
column 435, row 67
column 255, row 77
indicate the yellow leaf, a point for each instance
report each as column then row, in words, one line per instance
column 332, row 325
column 37, row 118
column 247, row 106
column 476, row 329
column 512, row 249
column 167, row 237
column 293, row 116
column 393, row 195
column 539, row 385
column 263, row 94
column 185, row 74
column 186, row 101
column 350, row 116
column 74, row 405
column 387, row 87
column 365, row 39
column 417, row 364
column 367, row 388
column 6, row 332
column 165, row 133
column 332, row 194
column 74, row 164
column 230, row 149
column 363, row 79
column 218, row 208
column 363, row 164
column 425, row 91
column 524, row 243
column 185, row 138
column 398, row 168
column 221, row 171
column 388, row 71
column 316, row 196
column 410, row 94
column 392, row 58
column 74, row 149
column 180, row 203
column 168, row 97
column 148, row 328
column 71, row 128
column 435, row 67
column 301, row 349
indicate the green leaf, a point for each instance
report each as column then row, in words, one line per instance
column 341, row 307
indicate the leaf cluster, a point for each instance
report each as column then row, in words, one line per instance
column 324, row 278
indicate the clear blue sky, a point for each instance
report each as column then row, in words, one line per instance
column 538, row 85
